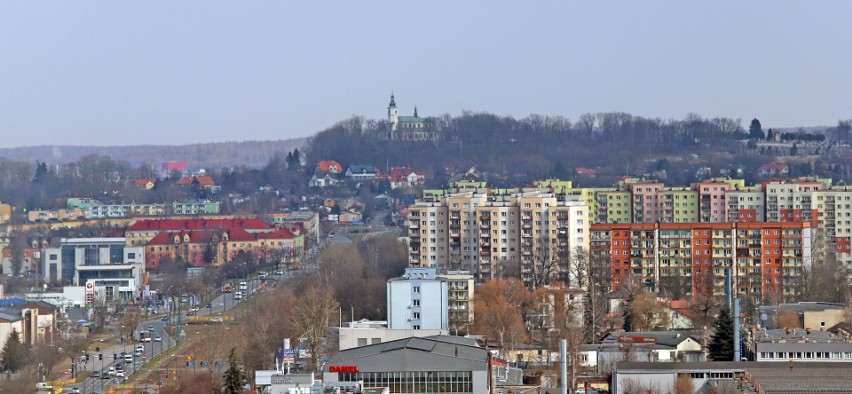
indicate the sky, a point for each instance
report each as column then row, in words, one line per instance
column 175, row 72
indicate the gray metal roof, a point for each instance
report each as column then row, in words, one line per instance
column 803, row 347
column 731, row 366
column 413, row 354
column 665, row 338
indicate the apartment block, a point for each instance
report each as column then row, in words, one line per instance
column 745, row 206
column 485, row 233
column 766, row 259
column 460, row 288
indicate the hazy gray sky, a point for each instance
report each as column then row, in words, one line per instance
column 162, row 72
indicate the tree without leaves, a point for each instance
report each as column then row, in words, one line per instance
column 313, row 315
column 647, row 313
column 722, row 342
column 788, row 319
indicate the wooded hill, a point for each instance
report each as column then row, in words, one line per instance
column 208, row 155
column 535, row 147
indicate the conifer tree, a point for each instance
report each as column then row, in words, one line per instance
column 722, row 342
column 14, row 353
column 234, row 376
column 627, row 316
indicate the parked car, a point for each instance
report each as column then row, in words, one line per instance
column 217, row 320
column 165, row 318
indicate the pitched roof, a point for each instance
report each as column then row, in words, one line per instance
column 202, row 180
column 326, row 165
column 362, row 169
column 167, row 237
column 143, row 183
column 196, row 224
column 666, row 338
column 282, row 233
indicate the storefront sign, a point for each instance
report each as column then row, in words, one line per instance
column 343, row 368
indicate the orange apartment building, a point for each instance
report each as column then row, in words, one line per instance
column 766, row 259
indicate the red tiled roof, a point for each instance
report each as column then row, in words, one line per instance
column 167, row 238
column 282, row 233
column 325, row 165
column 197, row 224
column 202, row 180
column 141, row 183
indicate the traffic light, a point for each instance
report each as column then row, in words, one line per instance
column 100, row 356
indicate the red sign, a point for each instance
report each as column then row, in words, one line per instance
column 636, row 339
column 343, row 368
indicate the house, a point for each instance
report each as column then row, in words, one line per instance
column 809, row 315
column 203, row 180
column 655, row 345
column 403, row 176
column 169, row 167
column 322, row 179
column 145, row 183
column 329, row 166
column 773, row 169
column 350, row 217
column 361, row 172
column 586, row 172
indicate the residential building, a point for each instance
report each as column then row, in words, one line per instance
column 299, row 222
column 212, row 247
column 78, row 261
column 481, row 234
column 5, row 213
column 145, row 183
column 54, row 215
column 745, row 206
column 167, row 168
column 459, row 300
column 329, row 166
column 358, row 172
column 402, row 177
column 142, row 231
column 323, row 179
column 767, row 258
column 418, row 300
column 196, row 208
column 772, row 170
column 815, row 316
column 202, row 180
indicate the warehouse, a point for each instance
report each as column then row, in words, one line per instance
column 437, row 364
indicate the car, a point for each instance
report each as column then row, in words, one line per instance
column 96, row 375
column 150, row 328
column 75, row 390
column 217, row 320
column 194, row 309
column 190, row 313
column 129, row 358
column 105, row 376
column 165, row 318
column 137, row 353
column 158, row 338
column 119, row 366
column 43, row 386
column 120, row 374
column 110, row 371
column 586, row 391
column 140, row 348
column 209, row 305
column 279, row 272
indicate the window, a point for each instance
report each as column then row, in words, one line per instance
column 416, row 289
column 416, row 303
column 417, row 315
column 416, row 327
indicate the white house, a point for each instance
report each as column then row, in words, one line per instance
column 418, row 301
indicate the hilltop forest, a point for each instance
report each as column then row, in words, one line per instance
column 535, row 147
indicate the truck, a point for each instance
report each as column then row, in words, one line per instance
column 228, row 288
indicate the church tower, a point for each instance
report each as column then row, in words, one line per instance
column 393, row 114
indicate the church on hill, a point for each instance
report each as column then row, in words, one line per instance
column 409, row 128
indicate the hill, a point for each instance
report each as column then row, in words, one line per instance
column 207, row 155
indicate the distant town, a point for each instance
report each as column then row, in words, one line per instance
column 381, row 257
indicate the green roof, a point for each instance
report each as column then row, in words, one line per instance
column 412, row 119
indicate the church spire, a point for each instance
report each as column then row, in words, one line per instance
column 415, row 111
column 392, row 102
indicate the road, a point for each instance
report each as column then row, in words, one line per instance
column 158, row 327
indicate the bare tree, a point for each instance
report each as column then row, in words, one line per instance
column 599, row 276
column 499, row 307
column 683, row 385
column 312, row 316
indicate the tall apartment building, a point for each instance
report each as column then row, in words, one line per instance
column 767, row 259
column 418, row 301
column 459, row 300
column 483, row 234
column 745, row 206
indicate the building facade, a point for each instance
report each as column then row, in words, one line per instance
column 78, row 261
column 534, row 234
column 418, row 300
column 767, row 259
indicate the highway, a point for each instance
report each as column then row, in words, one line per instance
column 219, row 306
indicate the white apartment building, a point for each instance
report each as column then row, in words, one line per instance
column 418, row 301
column 484, row 234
